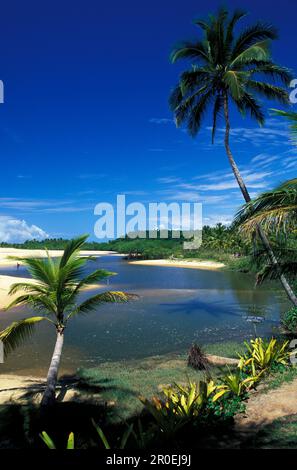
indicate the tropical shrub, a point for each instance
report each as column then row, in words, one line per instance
column 289, row 320
column 224, row 409
column 235, row 384
column 179, row 406
column 262, row 355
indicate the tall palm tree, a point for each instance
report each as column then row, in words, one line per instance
column 225, row 69
column 54, row 295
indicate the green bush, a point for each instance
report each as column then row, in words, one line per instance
column 289, row 320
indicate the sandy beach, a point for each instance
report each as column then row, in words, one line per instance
column 7, row 281
column 7, row 253
column 180, row 263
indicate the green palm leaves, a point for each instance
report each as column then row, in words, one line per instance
column 292, row 118
column 14, row 335
column 223, row 65
column 276, row 209
column 54, row 291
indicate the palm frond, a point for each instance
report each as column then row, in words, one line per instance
column 175, row 98
column 292, row 118
column 235, row 81
column 248, row 103
column 72, row 248
column 271, row 271
column 197, row 113
column 277, row 208
column 256, row 52
column 41, row 302
column 29, row 287
column 237, row 15
column 218, row 106
column 102, row 298
column 189, row 50
column 252, row 35
column 40, row 270
column 268, row 91
column 277, row 72
column 18, row 332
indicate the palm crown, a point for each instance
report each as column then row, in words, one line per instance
column 226, row 66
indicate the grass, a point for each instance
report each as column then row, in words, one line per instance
column 225, row 349
column 121, row 383
column 281, row 434
column 280, row 377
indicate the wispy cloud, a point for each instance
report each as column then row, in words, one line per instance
column 44, row 206
column 24, row 176
column 161, row 121
column 271, row 135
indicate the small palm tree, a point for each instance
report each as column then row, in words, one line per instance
column 54, row 295
column 226, row 69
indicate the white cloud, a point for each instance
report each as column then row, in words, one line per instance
column 161, row 121
column 259, row 136
column 212, row 220
column 17, row 231
column 45, row 206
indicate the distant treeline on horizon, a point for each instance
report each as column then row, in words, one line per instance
column 221, row 238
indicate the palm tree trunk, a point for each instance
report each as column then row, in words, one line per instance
column 247, row 198
column 49, row 396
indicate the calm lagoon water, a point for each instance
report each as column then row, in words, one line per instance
column 176, row 307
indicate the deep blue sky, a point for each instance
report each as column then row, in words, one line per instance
column 86, row 113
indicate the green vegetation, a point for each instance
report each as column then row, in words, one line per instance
column 229, row 68
column 262, row 356
column 281, row 434
column 182, row 412
column 55, row 296
column 289, row 320
column 148, row 404
column 50, row 244
column 279, row 375
column 122, row 383
column 220, row 243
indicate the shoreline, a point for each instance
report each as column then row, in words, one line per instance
column 209, row 265
column 14, row 387
column 7, row 253
column 6, row 281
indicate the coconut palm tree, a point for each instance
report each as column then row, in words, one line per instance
column 53, row 294
column 227, row 69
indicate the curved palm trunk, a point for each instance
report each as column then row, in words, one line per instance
column 247, row 198
column 49, row 396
